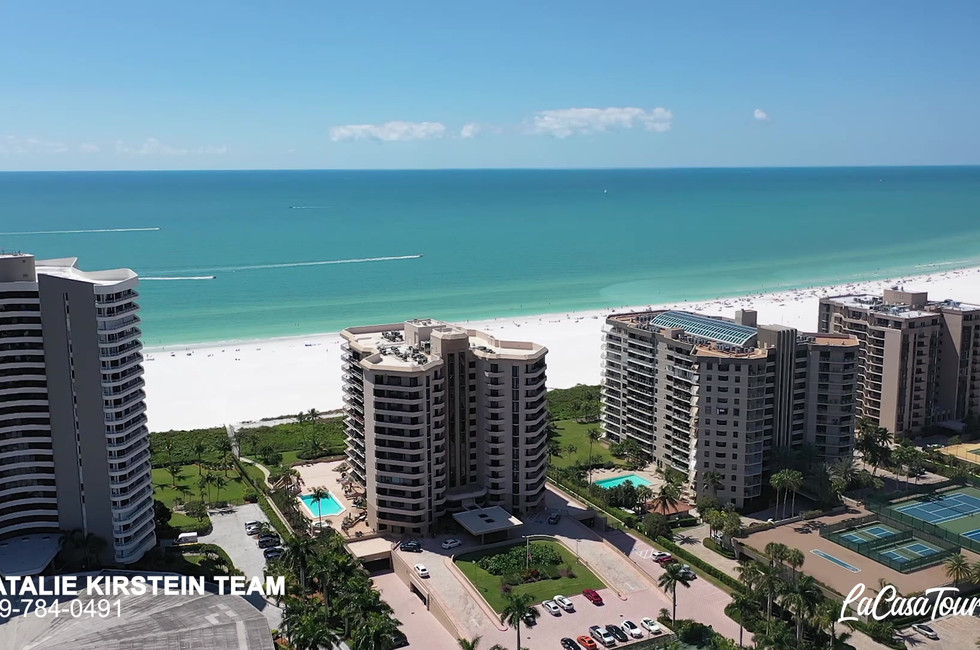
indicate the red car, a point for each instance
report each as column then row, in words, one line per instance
column 587, row 642
column 592, row 596
column 664, row 561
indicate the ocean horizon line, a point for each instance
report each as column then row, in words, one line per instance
column 494, row 168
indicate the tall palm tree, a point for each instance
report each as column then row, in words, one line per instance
column 713, row 481
column 957, row 568
column 777, row 636
column 298, row 553
column 175, row 474
column 199, row 449
column 375, row 631
column 320, row 494
column 778, row 483
column 748, row 574
column 801, row 600
column 668, row 581
column 220, row 483
column 745, row 606
column 771, row 583
column 594, row 434
column 795, row 558
column 203, row 481
column 794, row 481
column 518, row 606
column 826, row 618
column 667, row 498
column 776, row 552
column 302, row 622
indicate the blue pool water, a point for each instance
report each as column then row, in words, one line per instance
column 840, row 563
column 619, row 480
column 324, row 507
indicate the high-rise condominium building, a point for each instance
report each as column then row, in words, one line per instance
column 919, row 360
column 441, row 419
column 74, row 447
column 715, row 398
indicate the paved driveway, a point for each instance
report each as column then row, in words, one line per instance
column 955, row 633
column 229, row 533
column 418, row 624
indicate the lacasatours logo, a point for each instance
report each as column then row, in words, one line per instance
column 936, row 602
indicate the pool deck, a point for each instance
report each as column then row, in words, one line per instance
column 805, row 536
column 314, row 475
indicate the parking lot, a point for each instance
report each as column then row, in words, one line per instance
column 955, row 633
column 228, row 532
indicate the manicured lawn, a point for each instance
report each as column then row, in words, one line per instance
column 180, row 520
column 187, row 486
column 255, row 473
column 571, row 432
column 489, row 585
column 289, row 457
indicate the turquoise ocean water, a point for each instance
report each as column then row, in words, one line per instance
column 493, row 243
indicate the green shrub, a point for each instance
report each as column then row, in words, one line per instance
column 514, row 560
column 718, row 548
column 250, row 495
column 580, row 401
column 812, row 514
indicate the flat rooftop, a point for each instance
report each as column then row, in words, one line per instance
column 28, row 555
column 147, row 622
column 483, row 521
column 875, row 303
column 389, row 342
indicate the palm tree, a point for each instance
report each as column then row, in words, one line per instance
column 795, row 558
column 771, row 583
column 594, row 434
column 667, row 498
column 312, row 415
column 470, row 644
column 320, row 494
column 713, row 481
column 668, row 581
column 376, row 631
column 744, row 606
column 175, row 474
column 957, row 568
column 776, row 552
column 518, row 606
column 794, row 481
column 199, row 449
column 826, row 619
column 777, row 636
column 302, row 622
column 203, row 481
column 779, row 482
column 220, row 483
column 748, row 574
column 801, row 600
column 299, row 552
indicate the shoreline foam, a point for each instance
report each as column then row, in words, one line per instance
column 211, row 384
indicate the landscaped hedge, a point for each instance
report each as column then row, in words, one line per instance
column 718, row 548
column 695, row 561
column 513, row 560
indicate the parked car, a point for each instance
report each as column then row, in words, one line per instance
column 249, row 524
column 269, row 536
column 551, row 608
column 651, row 625
column 587, row 642
column 268, row 542
column 617, row 632
column 688, row 573
column 632, row 629
column 564, row 603
column 421, row 570
column 602, row 636
column 530, row 619
column 451, row 543
column 569, row 644
column 273, row 553
column 664, row 561
column 592, row 596
column 411, row 546
column 554, row 518
column 656, row 555
column 925, row 631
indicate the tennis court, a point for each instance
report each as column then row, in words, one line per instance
column 875, row 531
column 910, row 551
column 943, row 508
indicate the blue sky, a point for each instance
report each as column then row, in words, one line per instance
column 257, row 85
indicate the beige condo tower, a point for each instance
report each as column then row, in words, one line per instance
column 442, row 419
column 919, row 360
column 715, row 397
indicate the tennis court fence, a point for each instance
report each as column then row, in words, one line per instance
column 927, row 531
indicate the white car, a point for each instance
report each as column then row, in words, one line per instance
column 651, row 625
column 925, row 631
column 551, row 607
column 656, row 555
column 564, row 603
column 421, row 570
column 451, row 543
column 633, row 629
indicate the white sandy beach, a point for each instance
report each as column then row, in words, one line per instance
column 191, row 386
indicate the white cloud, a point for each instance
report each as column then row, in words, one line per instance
column 88, row 148
column 153, row 147
column 761, row 115
column 470, row 130
column 389, row 131
column 566, row 122
column 17, row 145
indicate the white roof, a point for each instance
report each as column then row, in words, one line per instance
column 487, row 520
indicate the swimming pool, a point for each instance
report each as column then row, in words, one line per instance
column 323, row 508
column 619, row 480
column 840, row 563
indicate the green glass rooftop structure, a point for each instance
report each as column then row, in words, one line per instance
column 713, row 329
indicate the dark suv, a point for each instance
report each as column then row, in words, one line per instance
column 617, row 632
